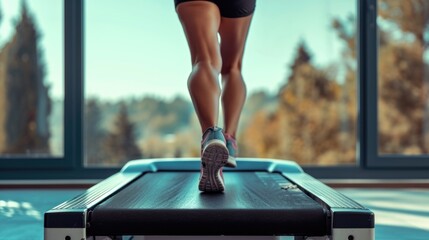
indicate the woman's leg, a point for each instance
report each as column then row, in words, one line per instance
column 200, row 21
column 233, row 32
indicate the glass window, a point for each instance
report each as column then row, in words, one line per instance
column 403, row 77
column 299, row 67
column 31, row 78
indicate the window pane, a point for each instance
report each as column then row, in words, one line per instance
column 299, row 67
column 31, row 78
column 403, row 77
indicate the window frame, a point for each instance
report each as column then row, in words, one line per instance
column 71, row 165
column 368, row 63
column 23, row 162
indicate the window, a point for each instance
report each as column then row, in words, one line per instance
column 31, row 80
column 132, row 106
column 301, row 72
column 403, row 77
column 301, row 81
column 400, row 94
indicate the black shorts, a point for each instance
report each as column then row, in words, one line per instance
column 230, row 8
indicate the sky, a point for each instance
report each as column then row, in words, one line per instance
column 134, row 48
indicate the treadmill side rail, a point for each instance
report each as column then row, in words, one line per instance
column 323, row 193
column 70, row 218
column 98, row 192
column 349, row 219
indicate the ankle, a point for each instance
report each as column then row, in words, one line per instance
column 229, row 136
column 208, row 129
column 213, row 132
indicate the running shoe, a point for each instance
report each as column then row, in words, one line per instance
column 214, row 155
column 232, row 146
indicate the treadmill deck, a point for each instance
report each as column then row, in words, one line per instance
column 254, row 203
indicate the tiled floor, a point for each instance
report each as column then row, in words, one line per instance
column 21, row 211
column 401, row 214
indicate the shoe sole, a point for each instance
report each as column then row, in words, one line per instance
column 214, row 157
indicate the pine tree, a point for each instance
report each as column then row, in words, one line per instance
column 302, row 57
column 310, row 105
column 27, row 104
column 93, row 134
column 306, row 125
column 120, row 145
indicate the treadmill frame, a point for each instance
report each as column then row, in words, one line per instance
column 348, row 219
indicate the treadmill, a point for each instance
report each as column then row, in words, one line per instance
column 159, row 199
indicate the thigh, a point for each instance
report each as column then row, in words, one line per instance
column 200, row 21
column 233, row 33
column 177, row 2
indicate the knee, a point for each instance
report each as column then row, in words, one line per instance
column 213, row 65
column 231, row 68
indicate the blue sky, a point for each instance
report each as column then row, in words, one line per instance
column 137, row 47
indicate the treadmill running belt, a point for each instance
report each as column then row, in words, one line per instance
column 169, row 203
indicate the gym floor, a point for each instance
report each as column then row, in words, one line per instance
column 400, row 213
